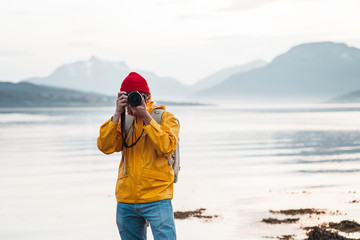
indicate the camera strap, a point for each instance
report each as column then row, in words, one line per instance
column 123, row 132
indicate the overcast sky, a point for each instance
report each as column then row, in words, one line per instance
column 184, row 39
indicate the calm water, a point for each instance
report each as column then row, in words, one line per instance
column 236, row 162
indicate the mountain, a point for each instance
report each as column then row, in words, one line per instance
column 306, row 73
column 164, row 88
column 91, row 75
column 106, row 77
column 223, row 74
column 25, row 94
column 352, row 97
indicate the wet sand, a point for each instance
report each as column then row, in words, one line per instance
column 312, row 222
column 322, row 231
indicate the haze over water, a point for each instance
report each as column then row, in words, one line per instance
column 237, row 162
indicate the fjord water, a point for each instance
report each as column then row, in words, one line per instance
column 237, row 162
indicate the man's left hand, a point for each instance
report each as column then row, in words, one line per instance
column 141, row 111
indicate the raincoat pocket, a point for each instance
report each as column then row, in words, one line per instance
column 156, row 185
column 158, row 175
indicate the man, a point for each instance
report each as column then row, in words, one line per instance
column 144, row 187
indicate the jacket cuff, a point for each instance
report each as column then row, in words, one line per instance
column 112, row 124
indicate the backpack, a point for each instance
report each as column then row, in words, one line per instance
column 174, row 158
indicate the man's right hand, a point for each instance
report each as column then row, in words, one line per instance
column 121, row 103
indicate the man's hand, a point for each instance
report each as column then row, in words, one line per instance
column 141, row 111
column 121, row 103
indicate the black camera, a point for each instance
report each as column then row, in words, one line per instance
column 135, row 98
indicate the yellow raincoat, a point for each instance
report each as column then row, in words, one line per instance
column 144, row 172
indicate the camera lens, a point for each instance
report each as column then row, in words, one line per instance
column 134, row 98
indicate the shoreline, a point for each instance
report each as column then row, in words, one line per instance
column 289, row 223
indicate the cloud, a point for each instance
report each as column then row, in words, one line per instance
column 81, row 45
column 239, row 5
column 174, row 2
column 17, row 13
column 192, row 16
column 7, row 53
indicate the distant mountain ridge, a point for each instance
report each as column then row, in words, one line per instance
column 307, row 72
column 25, row 94
column 95, row 75
column 223, row 74
column 352, row 97
column 91, row 75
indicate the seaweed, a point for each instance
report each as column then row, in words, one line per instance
column 198, row 213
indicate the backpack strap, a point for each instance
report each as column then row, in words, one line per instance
column 156, row 114
column 174, row 158
column 129, row 120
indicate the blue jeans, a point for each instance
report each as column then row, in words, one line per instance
column 131, row 220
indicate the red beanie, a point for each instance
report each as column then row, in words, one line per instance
column 134, row 81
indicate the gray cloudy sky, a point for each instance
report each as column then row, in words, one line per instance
column 184, row 39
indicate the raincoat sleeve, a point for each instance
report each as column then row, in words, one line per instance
column 164, row 137
column 110, row 140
